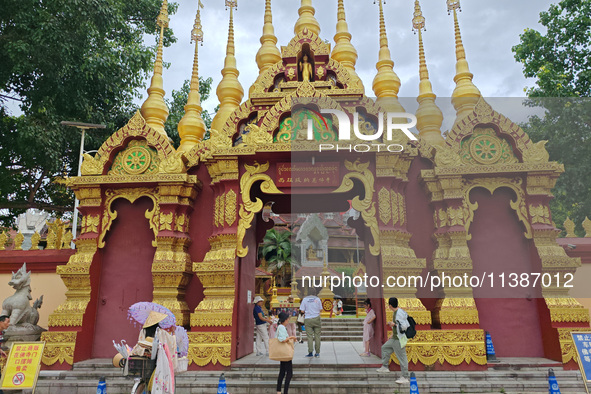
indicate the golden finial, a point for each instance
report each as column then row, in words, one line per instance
column 307, row 19
column 386, row 83
column 429, row 116
column 344, row 52
column 569, row 226
column 3, row 240
column 192, row 127
column 229, row 90
column 154, row 109
column 466, row 94
column 587, row 227
column 18, row 241
column 35, row 238
column 268, row 53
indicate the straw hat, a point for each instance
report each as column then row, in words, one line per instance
column 257, row 299
column 117, row 360
column 154, row 318
column 146, row 343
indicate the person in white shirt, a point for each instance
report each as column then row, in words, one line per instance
column 312, row 306
column 286, row 367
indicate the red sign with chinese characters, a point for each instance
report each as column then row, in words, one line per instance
column 307, row 174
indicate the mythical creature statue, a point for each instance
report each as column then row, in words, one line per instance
column 17, row 306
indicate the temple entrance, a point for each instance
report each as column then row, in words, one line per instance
column 125, row 275
column 498, row 246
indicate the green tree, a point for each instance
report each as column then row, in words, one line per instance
column 176, row 106
column 75, row 60
column 276, row 249
column 560, row 60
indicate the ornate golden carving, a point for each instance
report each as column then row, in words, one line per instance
column 67, row 240
column 35, row 238
column 401, row 209
column 366, row 206
column 216, row 211
column 230, row 210
column 255, row 136
column 492, row 184
column 137, row 158
column 248, row 208
column 567, row 309
column 210, row 348
column 179, row 224
column 59, row 347
column 457, row 311
column 587, row 227
column 394, row 198
column 446, row 157
column 452, row 346
column 166, row 221
column 18, row 241
column 173, row 164
column 539, row 214
column 536, row 153
column 130, row 194
column 55, row 233
column 485, row 147
column 569, row 226
column 384, row 205
column 90, row 224
column 567, row 345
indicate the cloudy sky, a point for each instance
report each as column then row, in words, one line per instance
column 489, row 30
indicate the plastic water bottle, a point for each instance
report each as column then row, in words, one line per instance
column 102, row 386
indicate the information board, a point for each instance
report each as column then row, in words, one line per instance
column 582, row 341
column 23, row 365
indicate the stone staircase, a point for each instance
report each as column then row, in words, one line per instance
column 342, row 329
column 308, row 379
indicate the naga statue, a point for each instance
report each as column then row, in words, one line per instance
column 23, row 316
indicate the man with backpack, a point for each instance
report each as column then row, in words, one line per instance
column 397, row 343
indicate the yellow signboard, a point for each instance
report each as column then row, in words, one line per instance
column 23, row 365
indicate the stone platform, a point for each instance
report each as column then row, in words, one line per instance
column 338, row 370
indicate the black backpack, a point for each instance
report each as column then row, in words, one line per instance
column 411, row 331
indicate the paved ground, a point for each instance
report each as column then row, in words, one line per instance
column 331, row 353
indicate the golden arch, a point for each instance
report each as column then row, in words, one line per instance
column 130, row 194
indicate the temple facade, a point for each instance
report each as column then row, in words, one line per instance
column 181, row 227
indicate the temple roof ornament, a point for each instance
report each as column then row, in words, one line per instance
column 192, row 127
column 268, row 53
column 154, row 109
column 344, row 52
column 466, row 94
column 229, row 90
column 386, row 83
column 429, row 116
column 307, row 19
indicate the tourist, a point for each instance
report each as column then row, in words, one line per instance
column 368, row 330
column 339, row 307
column 4, row 323
column 300, row 325
column 261, row 326
column 286, row 367
column 397, row 343
column 312, row 306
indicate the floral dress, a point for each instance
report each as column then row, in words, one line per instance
column 368, row 328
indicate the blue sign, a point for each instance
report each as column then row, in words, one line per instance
column 414, row 386
column 222, row 389
column 490, row 349
column 552, row 383
column 582, row 342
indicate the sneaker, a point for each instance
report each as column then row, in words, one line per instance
column 317, row 355
column 382, row 370
column 259, row 354
column 402, row 380
column 301, row 341
column 309, row 355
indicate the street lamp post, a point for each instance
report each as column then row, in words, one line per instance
column 83, row 127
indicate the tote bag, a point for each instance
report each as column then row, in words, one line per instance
column 280, row 351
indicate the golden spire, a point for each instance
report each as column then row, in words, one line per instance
column 466, row 94
column 386, row 83
column 344, row 52
column 307, row 19
column 268, row 53
column 429, row 116
column 154, row 109
column 229, row 91
column 192, row 127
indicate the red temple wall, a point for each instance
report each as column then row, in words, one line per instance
column 499, row 246
column 125, row 275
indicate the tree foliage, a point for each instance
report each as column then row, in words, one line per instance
column 276, row 249
column 75, row 60
column 560, row 60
